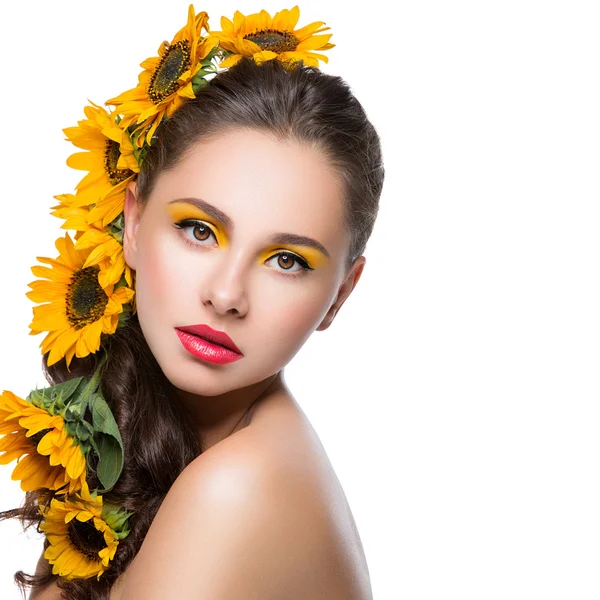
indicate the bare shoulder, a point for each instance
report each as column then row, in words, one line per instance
column 259, row 515
column 230, row 527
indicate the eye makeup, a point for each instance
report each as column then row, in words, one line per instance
column 306, row 250
column 192, row 223
column 182, row 212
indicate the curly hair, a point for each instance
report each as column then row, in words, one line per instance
column 304, row 105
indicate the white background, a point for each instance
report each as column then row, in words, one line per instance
column 457, row 391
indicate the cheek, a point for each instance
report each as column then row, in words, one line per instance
column 157, row 279
column 289, row 321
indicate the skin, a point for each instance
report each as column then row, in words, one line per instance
column 262, row 458
column 230, row 280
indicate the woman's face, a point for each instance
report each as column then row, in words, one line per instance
column 223, row 266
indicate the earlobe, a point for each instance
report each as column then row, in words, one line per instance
column 132, row 222
column 344, row 291
column 328, row 320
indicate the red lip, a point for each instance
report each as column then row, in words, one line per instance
column 212, row 335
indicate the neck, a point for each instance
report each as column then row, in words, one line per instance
column 217, row 417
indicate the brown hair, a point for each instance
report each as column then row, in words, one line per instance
column 303, row 105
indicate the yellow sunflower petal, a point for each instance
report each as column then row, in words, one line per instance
column 286, row 19
column 264, row 55
column 313, row 43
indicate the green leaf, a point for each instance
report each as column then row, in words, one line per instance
column 92, row 444
column 36, row 398
column 68, row 388
column 60, row 392
column 102, row 417
column 123, row 318
column 70, row 414
column 83, row 430
column 116, row 517
column 200, row 74
column 121, row 535
column 110, row 463
column 116, row 226
column 109, row 443
column 213, row 52
column 198, row 85
column 118, row 235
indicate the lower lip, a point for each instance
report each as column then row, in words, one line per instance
column 203, row 349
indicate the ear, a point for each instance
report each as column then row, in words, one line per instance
column 132, row 222
column 347, row 286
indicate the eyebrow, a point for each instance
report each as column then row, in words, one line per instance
column 277, row 238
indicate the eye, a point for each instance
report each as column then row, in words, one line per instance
column 200, row 232
column 286, row 260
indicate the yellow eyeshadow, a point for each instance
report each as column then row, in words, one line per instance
column 313, row 257
column 180, row 211
column 184, row 210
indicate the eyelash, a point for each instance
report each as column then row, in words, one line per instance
column 181, row 225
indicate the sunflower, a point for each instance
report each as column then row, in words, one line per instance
column 167, row 80
column 74, row 210
column 47, row 457
column 263, row 37
column 78, row 308
column 108, row 160
column 105, row 243
column 127, row 159
column 81, row 542
column 105, row 249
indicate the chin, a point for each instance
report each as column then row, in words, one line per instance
column 191, row 375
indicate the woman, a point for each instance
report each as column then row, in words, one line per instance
column 244, row 232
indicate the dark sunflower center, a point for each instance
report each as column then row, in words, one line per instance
column 86, row 300
column 86, row 538
column 273, row 40
column 112, row 153
column 174, row 62
column 36, row 437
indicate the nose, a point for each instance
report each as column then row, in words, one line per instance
column 225, row 289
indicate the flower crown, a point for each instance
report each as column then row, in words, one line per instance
column 61, row 434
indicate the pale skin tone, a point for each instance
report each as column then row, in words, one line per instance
column 263, row 481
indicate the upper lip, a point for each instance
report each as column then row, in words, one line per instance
column 212, row 335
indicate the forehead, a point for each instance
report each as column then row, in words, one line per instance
column 249, row 174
